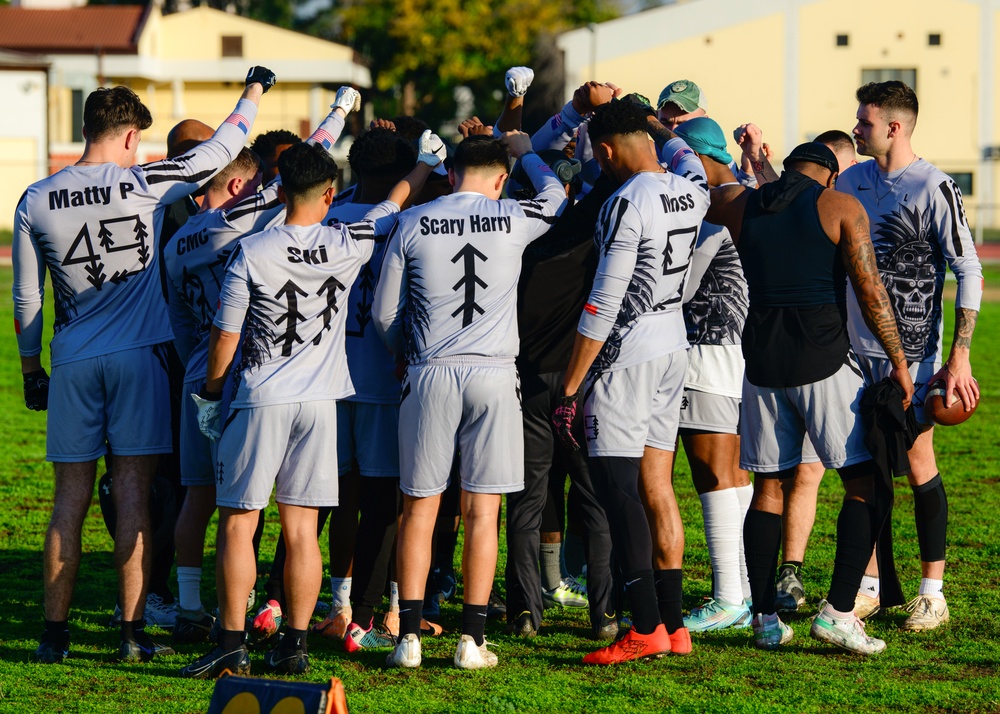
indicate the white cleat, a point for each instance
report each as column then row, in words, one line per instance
column 469, row 655
column 407, row 653
column 848, row 634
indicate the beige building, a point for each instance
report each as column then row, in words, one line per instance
column 792, row 66
column 187, row 64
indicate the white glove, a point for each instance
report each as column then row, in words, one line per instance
column 347, row 99
column 209, row 416
column 431, row 149
column 518, row 79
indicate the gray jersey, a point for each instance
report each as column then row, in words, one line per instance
column 645, row 236
column 284, row 289
column 95, row 228
column 449, row 280
column 918, row 226
column 372, row 367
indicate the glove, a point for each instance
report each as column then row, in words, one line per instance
column 640, row 101
column 261, row 75
column 563, row 418
column 432, row 149
column 209, row 416
column 36, row 390
column 518, row 79
column 347, row 98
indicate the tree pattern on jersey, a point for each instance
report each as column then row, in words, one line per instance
column 716, row 313
column 64, row 297
column 638, row 300
column 911, row 263
column 416, row 320
column 193, row 293
column 608, row 223
column 258, row 335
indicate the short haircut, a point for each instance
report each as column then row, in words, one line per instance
column 306, row 170
column 616, row 118
column 246, row 164
column 380, row 153
column 410, row 128
column 837, row 140
column 891, row 97
column 110, row 110
column 264, row 145
column 481, row 152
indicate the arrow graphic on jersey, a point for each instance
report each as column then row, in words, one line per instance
column 330, row 287
column 366, row 284
column 469, row 280
column 92, row 261
column 106, row 236
column 290, row 291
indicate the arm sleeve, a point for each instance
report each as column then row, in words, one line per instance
column 558, row 130
column 378, row 222
column 254, row 213
column 708, row 244
column 29, row 284
column 620, row 228
column 389, row 303
column 958, row 246
column 550, row 201
column 234, row 298
column 173, row 179
column 677, row 156
column 328, row 131
column 182, row 322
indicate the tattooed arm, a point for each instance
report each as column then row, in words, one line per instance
column 751, row 140
column 859, row 260
column 957, row 371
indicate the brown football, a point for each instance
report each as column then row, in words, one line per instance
column 942, row 414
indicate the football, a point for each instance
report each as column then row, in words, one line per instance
column 942, row 414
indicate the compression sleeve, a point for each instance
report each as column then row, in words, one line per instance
column 234, row 298
column 558, row 130
column 548, row 203
column 389, row 303
column 958, row 246
column 677, row 156
column 29, row 284
column 328, row 131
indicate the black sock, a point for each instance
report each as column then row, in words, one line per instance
column 854, row 550
column 474, row 621
column 930, row 506
column 761, row 542
column 795, row 565
column 57, row 631
column 131, row 627
column 669, row 594
column 230, row 640
column 363, row 615
column 640, row 592
column 294, row 640
column 409, row 617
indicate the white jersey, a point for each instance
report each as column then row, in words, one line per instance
column 715, row 308
column 918, row 226
column 449, row 280
column 645, row 236
column 96, row 230
column 372, row 367
column 284, row 290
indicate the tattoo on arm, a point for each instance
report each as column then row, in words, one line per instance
column 965, row 325
column 762, row 170
column 660, row 134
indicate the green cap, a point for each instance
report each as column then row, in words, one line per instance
column 684, row 93
column 705, row 136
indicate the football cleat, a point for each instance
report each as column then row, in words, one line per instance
column 608, row 629
column 336, row 623
column 926, row 613
column 390, row 622
column 791, row 593
column 159, row 613
column 217, row 663
column 192, row 626
column 680, row 641
column 522, row 626
column 358, row 638
column 496, row 608
column 469, row 655
column 769, row 632
column 140, row 648
column 865, row 606
column 51, row 651
column 267, row 622
column 406, row 655
column 848, row 634
column 716, row 615
column 569, row 593
column 286, row 661
column 632, row 646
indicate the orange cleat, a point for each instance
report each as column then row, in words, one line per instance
column 680, row 642
column 634, row 646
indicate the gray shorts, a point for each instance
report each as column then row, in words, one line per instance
column 284, row 446
column 777, row 420
column 471, row 404
column 198, row 452
column 628, row 409
column 713, row 413
column 369, row 434
column 876, row 369
column 121, row 400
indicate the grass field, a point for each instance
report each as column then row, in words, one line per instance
column 953, row 669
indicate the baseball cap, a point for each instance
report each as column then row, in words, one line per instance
column 815, row 153
column 705, row 136
column 684, row 93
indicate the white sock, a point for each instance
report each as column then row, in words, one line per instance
column 723, row 527
column 934, row 588
column 745, row 494
column 393, row 596
column 870, row 586
column 341, row 589
column 189, row 588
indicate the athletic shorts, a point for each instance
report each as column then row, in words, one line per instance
column 287, row 447
column 776, row 420
column 628, row 409
column 121, row 400
column 198, row 452
column 472, row 404
column 368, row 433
column 876, row 369
column 705, row 412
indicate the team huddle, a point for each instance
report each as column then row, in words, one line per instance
column 484, row 320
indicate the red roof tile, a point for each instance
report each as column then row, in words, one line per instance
column 111, row 28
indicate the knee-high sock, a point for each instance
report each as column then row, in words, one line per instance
column 855, row 541
column 722, row 515
column 762, row 540
column 930, row 507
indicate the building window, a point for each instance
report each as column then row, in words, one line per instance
column 77, row 108
column 232, row 45
column 906, row 76
column 963, row 179
column 843, row 40
column 934, row 39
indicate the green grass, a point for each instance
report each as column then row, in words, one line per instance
column 6, row 237
column 950, row 670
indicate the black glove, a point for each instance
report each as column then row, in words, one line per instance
column 262, row 75
column 640, row 101
column 36, row 390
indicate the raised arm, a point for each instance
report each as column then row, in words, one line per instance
column 550, row 200
column 517, row 80
column 751, row 140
